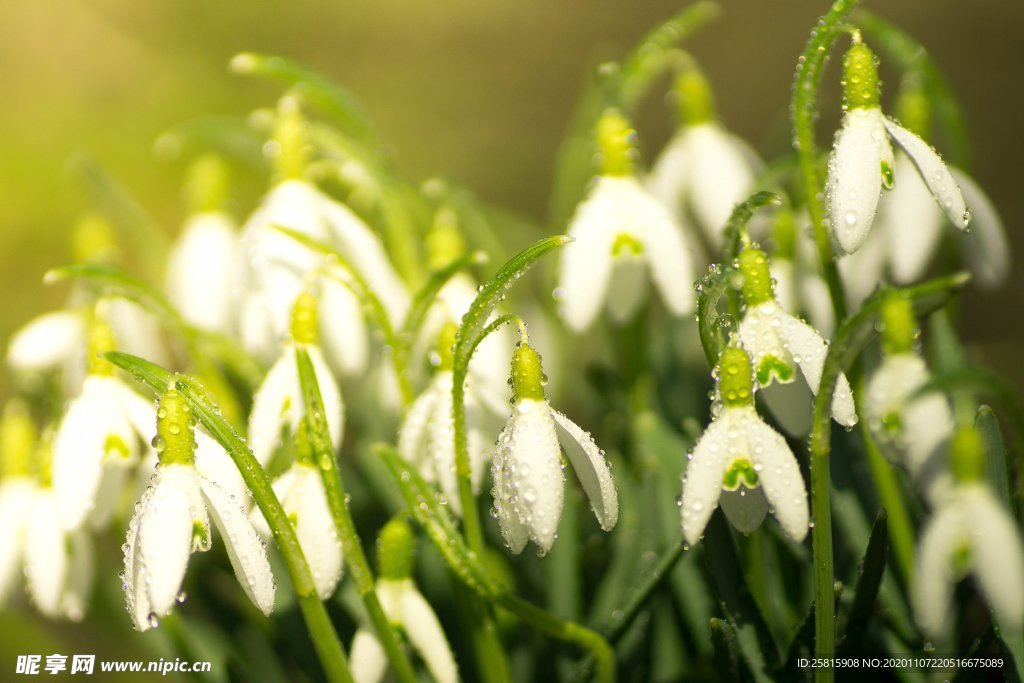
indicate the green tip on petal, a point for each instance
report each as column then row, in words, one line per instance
column 696, row 104
column 616, row 141
column 740, row 472
column 899, row 326
column 305, row 320
column 527, row 375
column 626, row 243
column 773, row 369
column 175, row 442
column 395, row 546
column 967, row 450
column 735, row 382
column 861, row 87
column 757, row 280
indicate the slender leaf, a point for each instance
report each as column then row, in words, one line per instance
column 729, row 663
column 872, row 568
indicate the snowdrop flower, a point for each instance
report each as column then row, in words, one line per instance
column 98, row 439
column 406, row 609
column 278, row 402
column 970, row 533
column 426, row 438
column 274, row 268
column 301, row 492
column 17, row 490
column 780, row 343
column 704, row 165
column 912, row 430
column 527, row 469
column 200, row 267
column 620, row 231
column 862, row 162
column 172, row 520
column 741, row 463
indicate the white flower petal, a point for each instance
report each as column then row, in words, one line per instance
column 306, row 504
column 81, row 573
column 514, row 530
column 16, row 500
column 367, row 659
column 46, row 560
column 933, row 577
column 985, row 245
column 412, row 437
column 628, row 287
column 269, row 403
column 591, row 468
column 282, row 489
column 759, row 333
column 855, row 176
column 137, row 331
column 779, row 476
column 165, row 533
column 216, row 465
column 933, row 171
column 702, row 483
column 46, row 342
column 246, row 551
column 531, row 474
column 334, row 409
column 200, row 268
column 809, row 350
column 669, row 255
column 911, row 222
column 586, row 263
column 424, row 631
column 863, row 271
column 744, row 508
column 670, row 174
column 724, row 177
column 342, row 328
column 133, row 577
column 997, row 555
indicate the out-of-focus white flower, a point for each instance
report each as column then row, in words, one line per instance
column 200, row 271
column 406, row 609
column 172, row 520
column 620, row 231
column 97, row 440
column 17, row 495
column 970, row 533
column 742, row 463
column 861, row 162
column 779, row 343
column 527, row 468
column 58, row 564
column 279, row 402
column 302, row 495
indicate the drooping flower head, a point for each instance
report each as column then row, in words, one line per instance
column 172, row 520
column 741, row 463
column 703, row 167
column 969, row 533
column 620, row 231
column 862, row 162
column 529, row 485
column 780, row 343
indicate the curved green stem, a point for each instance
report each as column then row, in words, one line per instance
column 321, row 630
column 805, row 109
column 359, row 566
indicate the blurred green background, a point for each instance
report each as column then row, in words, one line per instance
column 478, row 90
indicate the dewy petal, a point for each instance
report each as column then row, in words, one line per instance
column 586, row 263
column 628, row 287
column 744, row 508
column 997, row 555
column 200, row 269
column 531, row 474
column 306, row 503
column 779, row 476
column 933, row 171
column 46, row 342
column 911, row 223
column 342, row 328
column 724, row 177
column 809, row 350
column 133, row 578
column 46, row 560
column 217, row 466
column 424, row 631
column 985, row 246
column 246, row 551
column 855, row 176
column 759, row 333
column 702, row 483
column 591, row 468
column 512, row 528
column 16, row 500
column 367, row 659
column 933, row 576
column 166, row 529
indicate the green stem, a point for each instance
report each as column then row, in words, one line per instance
column 362, row 574
column 805, row 100
column 600, row 650
column 821, row 548
column 321, row 630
